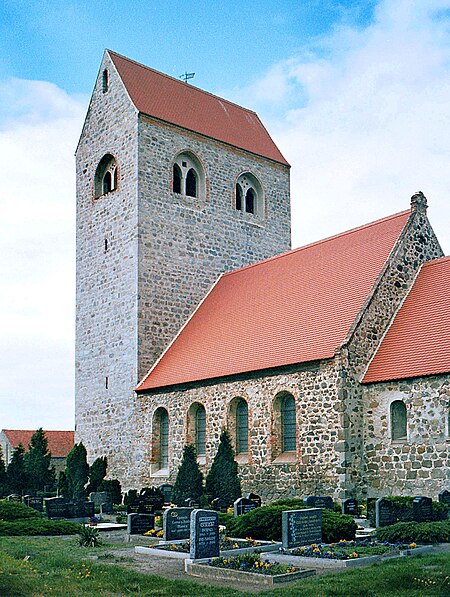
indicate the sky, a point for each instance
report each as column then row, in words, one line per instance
column 355, row 93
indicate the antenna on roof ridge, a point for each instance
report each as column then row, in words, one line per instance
column 186, row 76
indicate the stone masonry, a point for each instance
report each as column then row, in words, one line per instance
column 163, row 253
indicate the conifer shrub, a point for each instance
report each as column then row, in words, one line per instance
column 417, row 532
column 265, row 523
column 189, row 481
column 10, row 511
column 113, row 487
column 222, row 481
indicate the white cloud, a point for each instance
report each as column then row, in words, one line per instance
column 365, row 120
column 39, row 129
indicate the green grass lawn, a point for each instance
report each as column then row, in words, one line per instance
column 42, row 566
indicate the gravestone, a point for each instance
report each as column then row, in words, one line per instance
column 100, row 497
column 166, row 490
column 83, row 510
column 319, row 501
column 422, row 509
column 191, row 503
column 133, row 508
column 177, row 523
column 350, row 506
column 384, row 512
column 219, row 505
column 444, row 496
column 301, row 527
column 243, row 505
column 255, row 498
column 14, row 497
column 370, row 510
column 204, row 536
column 106, row 508
column 138, row 524
column 37, row 503
column 57, row 507
column 150, row 501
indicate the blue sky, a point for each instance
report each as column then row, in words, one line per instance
column 356, row 95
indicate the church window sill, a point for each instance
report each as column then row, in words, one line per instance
column 286, row 457
column 242, row 458
column 162, row 472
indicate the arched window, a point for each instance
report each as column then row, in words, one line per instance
column 105, row 180
column 242, row 427
column 289, row 425
column 160, row 455
column 249, row 196
column 200, row 431
column 398, row 420
column 176, row 178
column 105, row 80
column 191, row 183
column 250, row 201
column 188, row 177
column 239, row 197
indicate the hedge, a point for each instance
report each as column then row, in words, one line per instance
column 38, row 526
column 16, row 511
column 417, row 532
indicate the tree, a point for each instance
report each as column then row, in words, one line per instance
column 37, row 462
column 222, row 480
column 16, row 477
column 2, row 474
column 189, row 481
column 77, row 471
column 63, row 485
column 97, row 472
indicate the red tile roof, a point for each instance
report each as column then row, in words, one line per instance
column 168, row 99
column 59, row 442
column 418, row 341
column 292, row 308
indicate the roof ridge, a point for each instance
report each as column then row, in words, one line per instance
column 188, row 85
column 319, row 242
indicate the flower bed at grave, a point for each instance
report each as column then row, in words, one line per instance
column 154, row 533
column 251, row 562
column 226, row 543
column 349, row 550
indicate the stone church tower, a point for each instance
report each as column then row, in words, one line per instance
column 174, row 187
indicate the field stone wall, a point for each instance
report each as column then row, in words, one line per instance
column 311, row 470
column 419, row 464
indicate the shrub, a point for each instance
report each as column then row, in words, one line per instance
column 16, row 511
column 222, row 481
column 89, row 537
column 113, row 487
column 265, row 523
column 417, row 532
column 38, row 526
column 189, row 481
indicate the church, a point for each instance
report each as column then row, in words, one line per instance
column 328, row 364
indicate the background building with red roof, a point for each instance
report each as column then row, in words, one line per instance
column 59, row 444
column 328, row 364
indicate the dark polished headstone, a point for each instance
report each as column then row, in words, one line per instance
column 138, row 524
column 301, row 527
column 444, row 496
column 255, row 498
column 384, row 512
column 177, row 523
column 204, row 536
column 243, row 505
column 37, row 503
column 191, row 503
column 319, row 501
column 150, row 501
column 57, row 507
column 219, row 505
column 350, row 506
column 422, row 509
column 14, row 497
column 166, row 490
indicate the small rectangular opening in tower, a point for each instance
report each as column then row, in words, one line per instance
column 106, row 382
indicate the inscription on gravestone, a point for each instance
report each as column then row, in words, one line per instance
column 444, row 496
column 350, row 506
column 177, row 523
column 243, row 505
column 204, row 537
column 56, row 507
column 301, row 527
column 37, row 503
column 384, row 512
column 422, row 509
column 138, row 524
column 319, row 501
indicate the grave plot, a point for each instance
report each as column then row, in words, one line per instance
column 254, row 568
column 194, row 534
